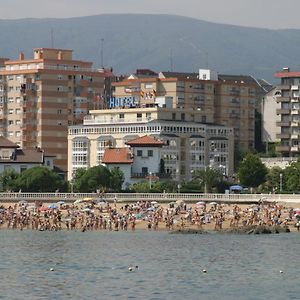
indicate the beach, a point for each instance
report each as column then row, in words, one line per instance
column 88, row 215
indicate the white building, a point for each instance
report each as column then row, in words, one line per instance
column 188, row 144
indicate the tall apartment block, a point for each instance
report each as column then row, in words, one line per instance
column 288, row 113
column 41, row 96
column 222, row 99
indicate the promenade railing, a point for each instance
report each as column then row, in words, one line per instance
column 159, row 197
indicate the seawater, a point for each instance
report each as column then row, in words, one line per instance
column 94, row 265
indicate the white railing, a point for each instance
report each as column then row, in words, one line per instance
column 159, row 197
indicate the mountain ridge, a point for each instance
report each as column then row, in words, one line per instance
column 134, row 41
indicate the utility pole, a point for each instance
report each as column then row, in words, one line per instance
column 102, row 59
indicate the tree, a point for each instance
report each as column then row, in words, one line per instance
column 291, row 177
column 77, row 182
column 252, row 172
column 40, row 179
column 116, row 179
column 208, row 178
column 91, row 180
column 140, row 187
column 272, row 183
column 8, row 180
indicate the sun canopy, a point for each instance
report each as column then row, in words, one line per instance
column 236, row 188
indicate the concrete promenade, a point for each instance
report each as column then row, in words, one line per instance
column 162, row 197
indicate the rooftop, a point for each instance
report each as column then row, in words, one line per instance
column 145, row 141
column 117, row 156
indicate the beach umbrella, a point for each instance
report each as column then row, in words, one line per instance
column 61, row 202
column 23, row 202
column 200, row 203
column 153, row 202
column 102, row 203
column 150, row 209
column 78, row 201
column 88, row 199
column 53, row 206
column 178, row 202
column 213, row 203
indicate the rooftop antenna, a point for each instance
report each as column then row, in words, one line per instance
column 206, row 58
column 171, row 60
column 52, row 39
column 102, row 59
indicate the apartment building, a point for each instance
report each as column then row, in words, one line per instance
column 288, row 113
column 43, row 95
column 223, row 99
column 189, row 145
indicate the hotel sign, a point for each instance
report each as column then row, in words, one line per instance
column 121, row 102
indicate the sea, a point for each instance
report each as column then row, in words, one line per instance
column 148, row 265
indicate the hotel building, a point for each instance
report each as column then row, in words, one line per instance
column 41, row 96
column 223, row 99
column 189, row 144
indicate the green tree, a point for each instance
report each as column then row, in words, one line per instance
column 272, row 180
column 116, row 179
column 91, row 180
column 162, row 169
column 8, row 180
column 291, row 177
column 140, row 187
column 77, row 181
column 252, row 172
column 208, row 178
column 40, row 179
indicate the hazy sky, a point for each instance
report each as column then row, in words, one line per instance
column 258, row 13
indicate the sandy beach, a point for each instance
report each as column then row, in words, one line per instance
column 144, row 216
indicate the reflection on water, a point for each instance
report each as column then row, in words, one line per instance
column 94, row 265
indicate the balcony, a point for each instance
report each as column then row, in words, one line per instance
column 283, row 111
column 284, row 87
column 283, row 123
column 283, row 135
column 153, row 175
column 283, row 99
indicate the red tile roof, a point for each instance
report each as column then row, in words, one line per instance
column 117, row 156
column 145, row 141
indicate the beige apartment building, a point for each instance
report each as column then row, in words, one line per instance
column 288, row 132
column 41, row 96
column 189, row 145
column 222, row 99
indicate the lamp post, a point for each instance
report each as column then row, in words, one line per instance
column 179, row 187
column 280, row 182
column 150, row 180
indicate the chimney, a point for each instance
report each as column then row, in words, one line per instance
column 59, row 55
column 21, row 56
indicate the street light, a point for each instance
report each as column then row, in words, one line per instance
column 150, row 180
column 179, row 187
column 280, row 182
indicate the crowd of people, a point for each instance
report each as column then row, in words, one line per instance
column 101, row 215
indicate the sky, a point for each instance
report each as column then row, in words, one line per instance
column 274, row 14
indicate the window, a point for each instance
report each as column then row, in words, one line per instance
column 23, row 168
column 10, row 100
column 173, row 116
column 18, row 133
column 144, row 170
column 139, row 116
column 18, row 111
column 150, row 153
column 59, row 111
column 10, row 111
column 10, row 133
column 10, row 122
column 18, row 122
column 139, row 153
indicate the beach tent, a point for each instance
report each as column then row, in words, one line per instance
column 236, row 189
